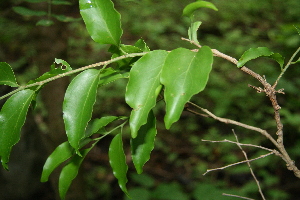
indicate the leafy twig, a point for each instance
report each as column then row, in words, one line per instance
column 103, row 63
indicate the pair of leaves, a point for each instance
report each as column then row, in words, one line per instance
column 183, row 73
column 141, row 148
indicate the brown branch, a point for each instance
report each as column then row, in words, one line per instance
column 249, row 165
column 271, row 93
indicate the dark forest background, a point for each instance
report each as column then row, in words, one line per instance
column 179, row 159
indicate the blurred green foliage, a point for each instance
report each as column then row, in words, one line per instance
column 180, row 157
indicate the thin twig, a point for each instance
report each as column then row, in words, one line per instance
column 237, row 143
column 232, row 195
column 237, row 163
column 249, row 165
column 286, row 67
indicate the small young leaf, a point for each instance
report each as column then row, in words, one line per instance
column 192, row 32
column 254, row 53
column 7, row 76
column 184, row 74
column 141, row 89
column 27, row 12
column 143, row 144
column 78, row 105
column 102, row 21
column 70, row 171
column 190, row 8
column 117, row 161
column 141, row 44
column 102, row 122
column 63, row 152
column 12, row 118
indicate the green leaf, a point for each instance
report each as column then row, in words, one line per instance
column 144, row 79
column 117, row 161
column 192, row 32
column 27, row 12
column 35, row 1
column 7, row 76
column 64, row 18
column 110, row 75
column 45, row 22
column 184, row 74
column 63, row 152
column 143, row 144
column 102, row 21
column 254, row 53
column 54, row 70
column 141, row 44
column 102, row 122
column 60, row 2
column 190, row 8
column 12, row 118
column 78, row 105
column 70, row 171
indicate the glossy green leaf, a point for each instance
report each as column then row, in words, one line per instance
column 102, row 21
column 78, row 105
column 63, row 152
column 254, row 53
column 117, row 161
column 141, row 94
column 7, row 76
column 12, row 118
column 184, row 74
column 190, row 8
column 192, row 32
column 143, row 144
column 27, row 12
column 70, row 171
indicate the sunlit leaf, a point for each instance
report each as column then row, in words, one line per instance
column 254, row 53
column 7, row 76
column 144, row 79
column 184, row 74
column 143, row 144
column 190, row 8
column 12, row 118
column 102, row 21
column 117, row 161
column 78, row 105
